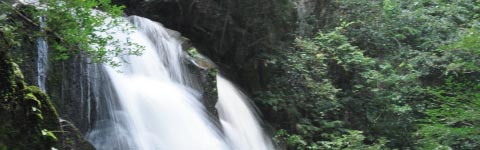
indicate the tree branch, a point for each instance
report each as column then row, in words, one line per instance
column 24, row 17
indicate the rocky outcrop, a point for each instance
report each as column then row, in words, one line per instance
column 204, row 72
column 71, row 84
column 233, row 33
column 28, row 119
column 72, row 139
column 68, row 82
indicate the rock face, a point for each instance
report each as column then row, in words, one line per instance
column 240, row 36
column 72, row 139
column 69, row 82
column 203, row 71
column 28, row 120
column 233, row 33
column 26, row 115
column 237, row 34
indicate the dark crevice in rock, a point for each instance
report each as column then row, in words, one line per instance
column 232, row 33
column 28, row 120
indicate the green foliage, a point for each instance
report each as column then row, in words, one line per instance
column 453, row 119
column 27, row 117
column 406, row 71
column 72, row 28
column 304, row 89
column 383, row 101
column 49, row 134
column 466, row 52
column 406, row 39
column 469, row 41
column 7, row 31
column 85, row 30
column 413, row 24
column 192, row 51
column 351, row 140
column 389, row 7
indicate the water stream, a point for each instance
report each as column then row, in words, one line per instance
column 239, row 118
column 153, row 108
column 149, row 103
column 42, row 58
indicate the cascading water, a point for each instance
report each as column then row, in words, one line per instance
column 149, row 103
column 239, row 119
column 42, row 58
column 154, row 109
column 42, row 49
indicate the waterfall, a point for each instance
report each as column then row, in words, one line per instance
column 42, row 58
column 239, row 118
column 42, row 49
column 149, row 103
column 151, row 106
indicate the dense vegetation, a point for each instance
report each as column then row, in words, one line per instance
column 28, row 119
column 357, row 74
column 73, row 28
column 383, row 74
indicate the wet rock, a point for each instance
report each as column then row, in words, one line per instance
column 204, row 72
column 72, row 139
column 232, row 33
column 27, row 118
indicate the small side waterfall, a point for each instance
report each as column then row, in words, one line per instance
column 149, row 103
column 239, row 119
column 42, row 58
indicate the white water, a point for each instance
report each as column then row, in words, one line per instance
column 42, row 58
column 42, row 48
column 239, row 119
column 149, row 103
column 157, row 111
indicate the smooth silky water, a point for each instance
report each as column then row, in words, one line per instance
column 239, row 118
column 153, row 107
column 148, row 103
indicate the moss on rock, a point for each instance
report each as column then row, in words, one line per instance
column 27, row 118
